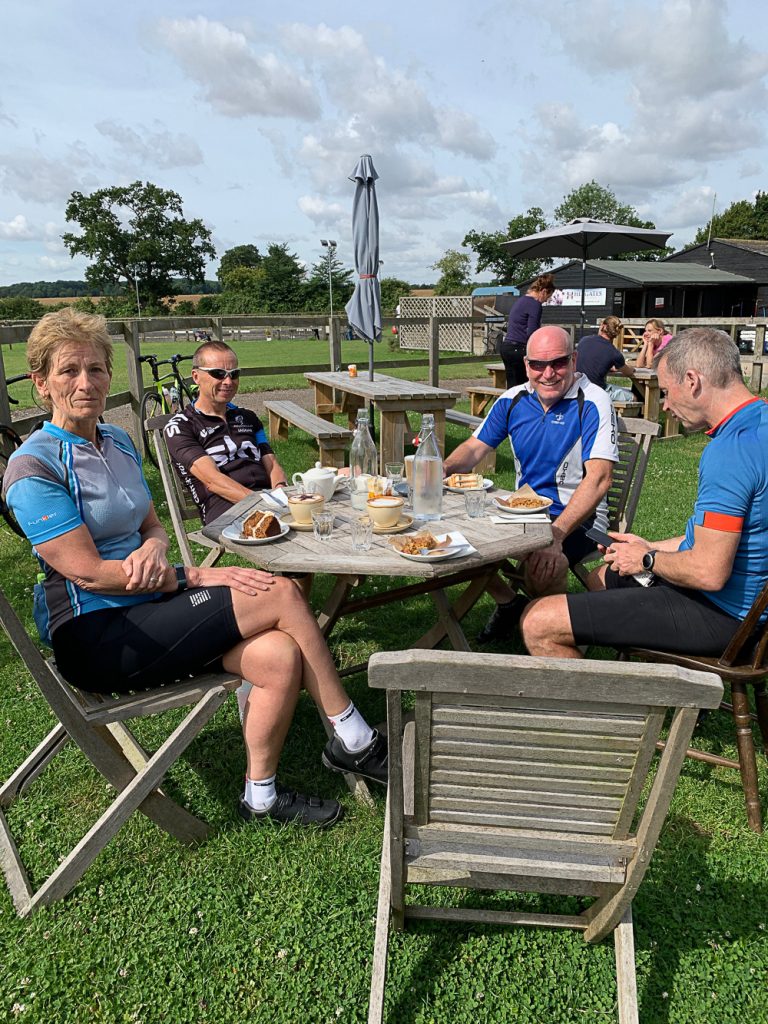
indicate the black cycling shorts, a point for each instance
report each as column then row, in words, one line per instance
column 116, row 650
column 663, row 617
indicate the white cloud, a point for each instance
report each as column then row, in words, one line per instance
column 18, row 228
column 158, row 146
column 234, row 79
column 35, row 177
column 50, row 263
column 320, row 210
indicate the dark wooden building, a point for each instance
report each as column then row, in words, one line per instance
column 636, row 290
column 741, row 256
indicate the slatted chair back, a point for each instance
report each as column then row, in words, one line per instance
column 96, row 725
column 634, row 442
column 526, row 774
column 180, row 505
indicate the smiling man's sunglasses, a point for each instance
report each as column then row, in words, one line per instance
column 217, row 373
column 540, row 365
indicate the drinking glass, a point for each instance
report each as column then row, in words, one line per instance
column 362, row 533
column 474, row 502
column 394, row 471
column 322, row 525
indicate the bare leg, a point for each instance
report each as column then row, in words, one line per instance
column 283, row 608
column 546, row 628
column 272, row 699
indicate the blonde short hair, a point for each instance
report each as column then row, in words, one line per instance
column 55, row 329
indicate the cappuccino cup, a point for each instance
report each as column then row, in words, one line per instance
column 385, row 510
column 303, row 505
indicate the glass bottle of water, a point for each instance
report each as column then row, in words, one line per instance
column 362, row 454
column 427, row 473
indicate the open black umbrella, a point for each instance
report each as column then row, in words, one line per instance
column 585, row 239
column 364, row 308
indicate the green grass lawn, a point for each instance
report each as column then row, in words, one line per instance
column 268, row 925
column 276, row 355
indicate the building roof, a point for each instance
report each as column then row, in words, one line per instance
column 759, row 245
column 646, row 272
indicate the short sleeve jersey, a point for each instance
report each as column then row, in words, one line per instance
column 733, row 497
column 58, row 481
column 237, row 446
column 596, row 356
column 550, row 447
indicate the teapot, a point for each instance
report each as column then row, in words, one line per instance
column 319, row 480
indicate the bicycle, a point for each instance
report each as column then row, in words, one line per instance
column 9, row 442
column 164, row 400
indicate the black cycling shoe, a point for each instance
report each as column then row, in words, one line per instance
column 504, row 620
column 292, row 807
column 372, row 762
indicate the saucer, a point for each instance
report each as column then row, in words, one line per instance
column 299, row 527
column 403, row 523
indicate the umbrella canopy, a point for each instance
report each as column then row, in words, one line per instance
column 364, row 308
column 585, row 239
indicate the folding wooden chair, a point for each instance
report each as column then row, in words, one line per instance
column 96, row 725
column 180, row 505
column 526, row 774
column 743, row 663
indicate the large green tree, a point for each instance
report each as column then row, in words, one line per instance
column 455, row 273
column 392, row 290
column 138, row 233
column 239, row 256
column 600, row 203
column 742, row 219
column 491, row 254
column 316, row 291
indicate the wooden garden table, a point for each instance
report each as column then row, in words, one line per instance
column 498, row 372
column 300, row 552
column 645, row 384
column 393, row 397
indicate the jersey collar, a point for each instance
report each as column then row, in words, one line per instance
column 728, row 416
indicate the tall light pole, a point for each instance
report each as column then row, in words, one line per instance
column 330, row 245
column 136, row 282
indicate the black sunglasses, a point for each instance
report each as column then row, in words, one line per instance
column 217, row 373
column 540, row 365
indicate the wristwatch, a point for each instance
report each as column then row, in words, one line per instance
column 181, row 577
column 649, row 558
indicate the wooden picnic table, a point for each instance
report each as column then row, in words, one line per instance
column 393, row 397
column 300, row 552
column 499, row 374
column 645, row 384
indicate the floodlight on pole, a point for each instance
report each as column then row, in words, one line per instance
column 330, row 245
column 136, row 283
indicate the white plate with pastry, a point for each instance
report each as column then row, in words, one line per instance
column 258, row 528
column 461, row 482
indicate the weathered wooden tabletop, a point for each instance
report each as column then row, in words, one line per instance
column 300, row 552
column 383, row 388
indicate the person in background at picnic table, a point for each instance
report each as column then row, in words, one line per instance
column 524, row 319
column 121, row 618
column 655, row 339
column 597, row 356
column 704, row 582
column 562, row 429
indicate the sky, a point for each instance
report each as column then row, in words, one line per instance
column 256, row 115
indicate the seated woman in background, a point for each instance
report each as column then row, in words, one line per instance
column 524, row 319
column 121, row 618
column 655, row 338
column 597, row 356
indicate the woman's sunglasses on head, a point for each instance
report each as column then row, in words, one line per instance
column 540, row 365
column 218, row 373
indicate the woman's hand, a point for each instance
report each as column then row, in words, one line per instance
column 147, row 567
column 247, row 581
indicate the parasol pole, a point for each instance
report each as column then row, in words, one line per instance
column 583, row 292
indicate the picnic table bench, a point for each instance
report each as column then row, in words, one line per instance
column 332, row 439
column 466, row 419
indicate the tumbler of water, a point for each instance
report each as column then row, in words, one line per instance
column 322, row 525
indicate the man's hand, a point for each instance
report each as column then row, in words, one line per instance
column 545, row 566
column 626, row 555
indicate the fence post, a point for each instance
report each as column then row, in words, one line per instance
column 135, row 378
column 434, row 352
column 218, row 330
column 5, row 405
column 334, row 342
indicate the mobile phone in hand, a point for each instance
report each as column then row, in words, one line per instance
column 600, row 537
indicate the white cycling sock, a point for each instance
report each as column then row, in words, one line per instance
column 260, row 794
column 351, row 728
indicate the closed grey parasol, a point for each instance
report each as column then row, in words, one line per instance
column 364, row 308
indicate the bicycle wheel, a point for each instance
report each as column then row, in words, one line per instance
column 8, row 438
column 151, row 405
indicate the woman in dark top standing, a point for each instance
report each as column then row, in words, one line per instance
column 524, row 319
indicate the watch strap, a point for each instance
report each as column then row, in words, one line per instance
column 181, row 577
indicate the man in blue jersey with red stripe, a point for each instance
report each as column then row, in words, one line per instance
column 562, row 429
column 705, row 581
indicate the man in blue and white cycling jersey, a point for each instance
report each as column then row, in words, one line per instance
column 562, row 429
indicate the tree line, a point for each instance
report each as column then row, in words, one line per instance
column 140, row 244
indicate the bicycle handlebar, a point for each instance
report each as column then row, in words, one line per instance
column 15, row 380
